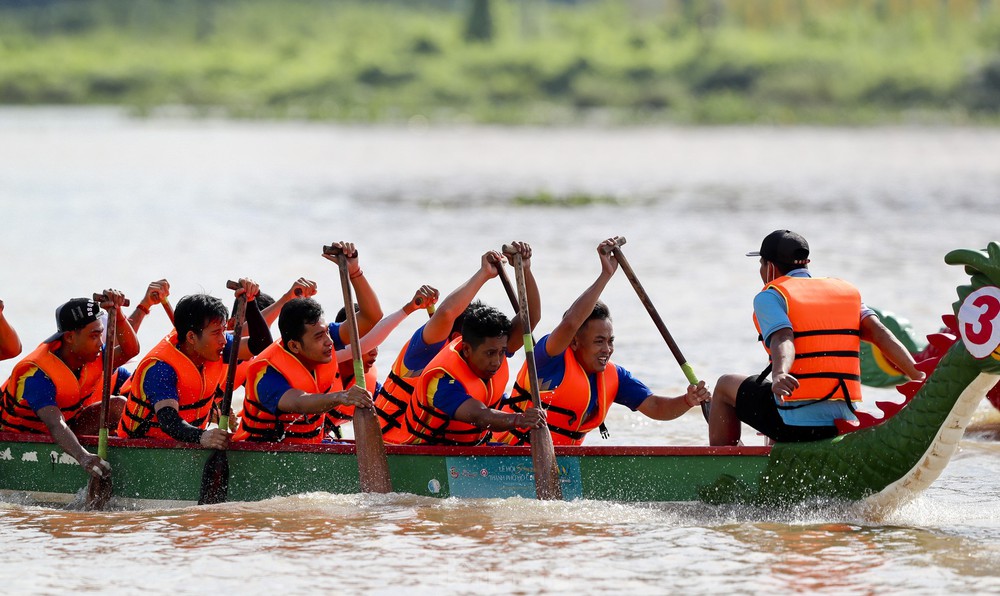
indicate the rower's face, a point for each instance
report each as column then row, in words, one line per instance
column 211, row 342
column 316, row 346
column 369, row 359
column 86, row 343
column 486, row 358
column 594, row 344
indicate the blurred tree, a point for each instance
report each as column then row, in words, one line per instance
column 479, row 26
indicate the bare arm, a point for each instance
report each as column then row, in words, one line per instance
column 562, row 336
column 369, row 309
column 438, row 328
column 873, row 331
column 156, row 292
column 374, row 338
column 127, row 344
column 302, row 288
column 10, row 343
column 782, row 358
column 668, row 408
column 299, row 402
column 66, row 439
column 475, row 412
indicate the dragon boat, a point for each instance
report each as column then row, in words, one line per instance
column 882, row 462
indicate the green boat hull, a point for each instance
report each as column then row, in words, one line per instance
column 162, row 472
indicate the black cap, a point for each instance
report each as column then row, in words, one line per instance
column 75, row 314
column 783, row 246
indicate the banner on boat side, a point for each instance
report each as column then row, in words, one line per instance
column 979, row 322
column 500, row 477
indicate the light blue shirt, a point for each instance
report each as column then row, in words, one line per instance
column 772, row 315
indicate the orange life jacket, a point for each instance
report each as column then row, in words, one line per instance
column 565, row 405
column 71, row 393
column 257, row 424
column 826, row 326
column 196, row 391
column 341, row 414
column 428, row 424
column 393, row 398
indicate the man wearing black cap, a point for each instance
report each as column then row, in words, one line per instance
column 49, row 390
column 812, row 328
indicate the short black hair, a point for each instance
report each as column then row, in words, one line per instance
column 482, row 321
column 197, row 311
column 601, row 312
column 342, row 313
column 295, row 315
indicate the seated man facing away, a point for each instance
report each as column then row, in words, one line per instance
column 812, row 328
column 49, row 389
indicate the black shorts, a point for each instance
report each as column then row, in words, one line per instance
column 755, row 406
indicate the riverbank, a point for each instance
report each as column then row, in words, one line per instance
column 818, row 62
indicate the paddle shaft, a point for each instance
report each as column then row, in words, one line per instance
column 167, row 309
column 543, row 455
column 234, row 356
column 502, row 274
column 109, row 359
column 99, row 489
column 653, row 314
column 373, row 465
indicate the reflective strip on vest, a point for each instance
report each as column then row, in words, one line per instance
column 71, row 393
column 826, row 328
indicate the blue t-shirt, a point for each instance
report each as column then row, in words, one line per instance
column 159, row 382
column 40, row 391
column 419, row 353
column 447, row 394
column 270, row 385
column 772, row 315
column 338, row 343
column 551, row 370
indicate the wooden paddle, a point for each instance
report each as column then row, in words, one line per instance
column 543, row 453
column 644, row 298
column 167, row 308
column 373, row 465
column 215, row 477
column 99, row 489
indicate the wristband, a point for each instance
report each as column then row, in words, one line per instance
column 357, row 274
column 144, row 309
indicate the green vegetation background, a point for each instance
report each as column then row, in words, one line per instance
column 527, row 61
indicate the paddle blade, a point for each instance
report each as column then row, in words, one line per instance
column 543, row 458
column 215, row 479
column 373, row 465
column 98, row 493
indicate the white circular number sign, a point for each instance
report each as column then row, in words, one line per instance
column 979, row 321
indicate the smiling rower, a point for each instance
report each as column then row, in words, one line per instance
column 577, row 380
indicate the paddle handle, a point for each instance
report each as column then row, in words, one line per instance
column 101, row 298
column 619, row 241
column 234, row 356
